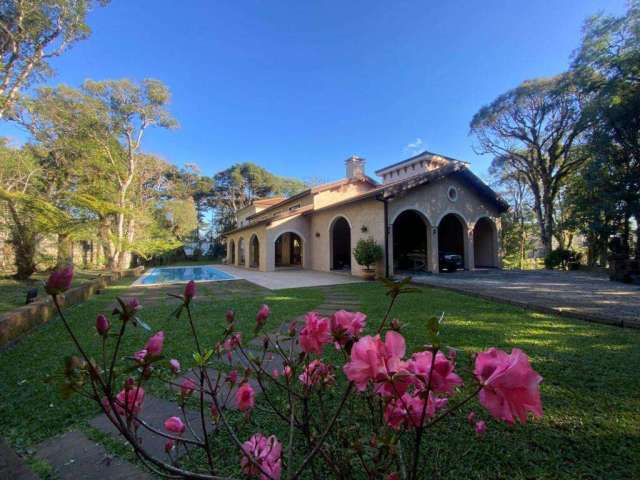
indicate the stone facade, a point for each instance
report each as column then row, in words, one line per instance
column 309, row 231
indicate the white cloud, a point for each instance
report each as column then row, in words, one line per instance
column 414, row 147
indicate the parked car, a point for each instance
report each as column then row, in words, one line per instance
column 450, row 262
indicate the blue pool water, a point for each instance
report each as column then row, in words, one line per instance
column 183, row 274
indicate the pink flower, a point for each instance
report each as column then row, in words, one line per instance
column 168, row 446
column 187, row 387
column 481, row 428
column 511, row 388
column 140, row 355
column 233, row 341
column 189, row 291
column 275, row 373
column 174, row 365
column 380, row 362
column 59, row 281
column 471, row 417
column 102, row 325
column 129, row 401
column 266, row 452
column 315, row 373
column 232, row 377
column 287, row 372
column 155, row 344
column 407, row 411
column 443, row 379
column 245, row 397
column 346, row 326
column 261, row 316
column 315, row 333
column 174, row 425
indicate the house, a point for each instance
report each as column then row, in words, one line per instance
column 424, row 208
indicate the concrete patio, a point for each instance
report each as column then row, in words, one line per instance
column 289, row 278
column 574, row 294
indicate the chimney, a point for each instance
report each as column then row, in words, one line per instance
column 355, row 167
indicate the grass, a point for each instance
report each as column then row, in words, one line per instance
column 590, row 391
column 13, row 292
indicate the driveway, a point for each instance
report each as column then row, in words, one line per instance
column 289, row 278
column 574, row 294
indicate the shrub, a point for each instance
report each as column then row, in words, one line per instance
column 563, row 258
column 322, row 400
column 367, row 252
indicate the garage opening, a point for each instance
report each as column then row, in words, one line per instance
column 254, row 252
column 485, row 244
column 340, row 245
column 451, row 243
column 410, row 249
column 288, row 250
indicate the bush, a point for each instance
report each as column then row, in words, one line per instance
column 563, row 258
column 367, row 252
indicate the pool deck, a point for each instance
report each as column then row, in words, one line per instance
column 289, row 278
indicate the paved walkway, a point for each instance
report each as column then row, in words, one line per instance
column 73, row 456
column 289, row 278
column 574, row 294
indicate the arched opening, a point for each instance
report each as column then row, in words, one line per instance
column 485, row 243
column 232, row 252
column 410, row 248
column 340, row 244
column 288, row 250
column 451, row 243
column 241, row 257
column 254, row 252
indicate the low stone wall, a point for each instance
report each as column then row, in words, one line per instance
column 19, row 321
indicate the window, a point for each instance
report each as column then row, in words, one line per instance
column 452, row 193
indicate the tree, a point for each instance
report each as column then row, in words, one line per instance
column 607, row 66
column 32, row 32
column 237, row 186
column 124, row 111
column 534, row 128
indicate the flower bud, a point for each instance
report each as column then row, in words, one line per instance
column 395, row 325
column 102, row 325
column 168, row 446
column 230, row 316
column 174, row 365
column 59, row 281
column 189, row 291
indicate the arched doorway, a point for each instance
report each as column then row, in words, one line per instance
column 410, row 247
column 232, row 252
column 340, row 244
column 241, row 257
column 485, row 243
column 254, row 252
column 451, row 231
column 288, row 250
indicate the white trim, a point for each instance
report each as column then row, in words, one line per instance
column 138, row 282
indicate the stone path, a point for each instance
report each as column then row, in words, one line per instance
column 74, row 456
column 12, row 467
column 572, row 294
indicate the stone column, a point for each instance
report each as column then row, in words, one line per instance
column 432, row 247
column 469, row 254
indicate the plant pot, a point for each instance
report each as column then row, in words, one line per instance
column 369, row 274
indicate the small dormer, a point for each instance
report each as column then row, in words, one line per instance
column 421, row 163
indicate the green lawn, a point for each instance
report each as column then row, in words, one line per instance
column 590, row 391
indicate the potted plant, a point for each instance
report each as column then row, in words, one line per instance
column 367, row 253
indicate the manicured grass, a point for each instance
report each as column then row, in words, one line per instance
column 590, row 389
column 13, row 293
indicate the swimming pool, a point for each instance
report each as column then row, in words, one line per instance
column 200, row 273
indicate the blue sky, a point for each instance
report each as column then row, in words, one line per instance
column 298, row 86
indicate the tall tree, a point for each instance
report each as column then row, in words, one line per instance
column 607, row 66
column 32, row 32
column 534, row 128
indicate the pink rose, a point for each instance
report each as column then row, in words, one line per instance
column 102, row 325
column 265, row 451
column 174, row 425
column 59, row 281
column 189, row 291
column 174, row 365
column 245, row 397
column 346, row 326
column 187, row 387
column 261, row 316
column 155, row 344
column 129, row 401
column 511, row 388
column 315, row 333
column 443, row 379
column 317, row 373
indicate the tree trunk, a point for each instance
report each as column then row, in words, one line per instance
column 125, row 254
column 547, row 228
column 65, row 250
column 24, row 242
